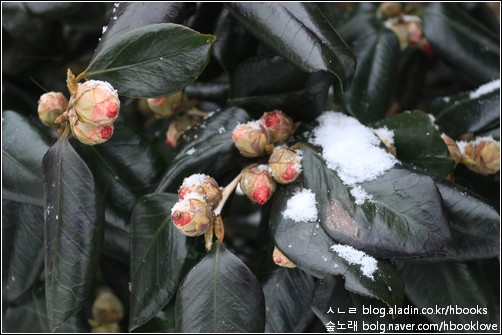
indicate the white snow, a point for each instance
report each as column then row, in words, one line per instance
column 368, row 264
column 191, row 151
column 360, row 195
column 221, row 130
column 485, row 89
column 462, row 144
column 195, row 179
column 301, row 207
column 263, row 167
column 350, row 148
column 104, row 29
column 386, row 135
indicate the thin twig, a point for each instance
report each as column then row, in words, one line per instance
column 229, row 189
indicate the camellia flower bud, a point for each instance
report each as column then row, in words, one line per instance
column 107, row 308
column 192, row 215
column 96, row 102
column 50, row 106
column 257, row 183
column 178, row 126
column 251, row 139
column 482, row 156
column 453, row 148
column 167, row 105
column 203, row 185
column 399, row 28
column 281, row 260
column 89, row 133
column 389, row 9
column 285, row 165
column 279, row 125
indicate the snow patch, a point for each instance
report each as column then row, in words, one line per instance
column 360, row 195
column 485, row 89
column 368, row 264
column 301, row 207
column 191, row 151
column 386, row 135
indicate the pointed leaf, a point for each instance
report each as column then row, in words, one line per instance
column 23, row 147
column 287, row 300
column 154, row 60
column 300, row 33
column 220, row 295
column 464, row 43
column 206, row 148
column 74, row 221
column 468, row 112
column 377, row 54
column 418, row 142
column 158, row 253
column 22, row 247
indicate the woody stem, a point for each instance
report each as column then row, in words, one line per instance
column 229, row 189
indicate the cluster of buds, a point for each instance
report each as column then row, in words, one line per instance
column 198, row 196
column 256, row 138
column 281, row 260
column 178, row 126
column 50, row 106
column 408, row 28
column 168, row 105
column 107, row 312
column 481, row 156
column 94, row 107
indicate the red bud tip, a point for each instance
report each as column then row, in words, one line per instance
column 290, row 173
column 261, row 194
column 181, row 218
column 106, row 132
column 271, row 119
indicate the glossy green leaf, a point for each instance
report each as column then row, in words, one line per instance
column 377, row 54
column 410, row 78
column 300, row 33
column 309, row 247
column 158, row 253
column 220, row 295
column 23, row 147
column 206, row 148
column 462, row 113
column 288, row 293
column 418, row 142
column 264, row 84
column 465, row 44
column 162, row 322
column 127, row 16
column 22, row 247
column 153, row 60
column 404, row 218
column 453, row 285
column 74, row 221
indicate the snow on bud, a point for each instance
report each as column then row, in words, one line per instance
column 281, row 260
column 96, row 102
column 257, row 183
column 251, row 139
column 453, row 148
column 285, row 165
column 192, row 215
column 50, row 106
column 89, row 133
column 177, row 127
column 203, row 185
column 167, row 105
column 279, row 125
column 482, row 156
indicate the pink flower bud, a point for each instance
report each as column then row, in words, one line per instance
column 257, row 183
column 50, row 106
column 203, row 185
column 167, row 105
column 279, row 125
column 96, row 102
column 281, row 260
column 285, row 165
column 178, row 126
column 192, row 216
column 89, row 133
column 251, row 139
column 482, row 157
column 453, row 148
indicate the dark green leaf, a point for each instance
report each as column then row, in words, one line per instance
column 162, row 322
column 220, row 294
column 309, row 247
column 74, row 221
column 455, row 285
column 462, row 113
column 300, row 33
column 419, row 143
column 53, row 9
column 465, row 44
column 264, row 84
column 153, row 60
column 206, row 148
column 377, row 54
column 404, row 218
column 158, row 252
column 22, row 247
column 23, row 147
column 287, row 300
column 213, row 91
column 410, row 78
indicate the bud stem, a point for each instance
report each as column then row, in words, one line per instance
column 229, row 189
column 197, row 112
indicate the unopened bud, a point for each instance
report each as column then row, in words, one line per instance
column 482, row 156
column 257, row 183
column 281, row 260
column 399, row 28
column 279, row 126
column 50, row 106
column 89, row 133
column 414, row 27
column 453, row 148
column 96, row 102
column 192, row 216
column 107, row 308
column 389, row 9
column 107, row 328
column 251, row 139
column 167, row 105
column 285, row 165
column 203, row 185
column 178, row 126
